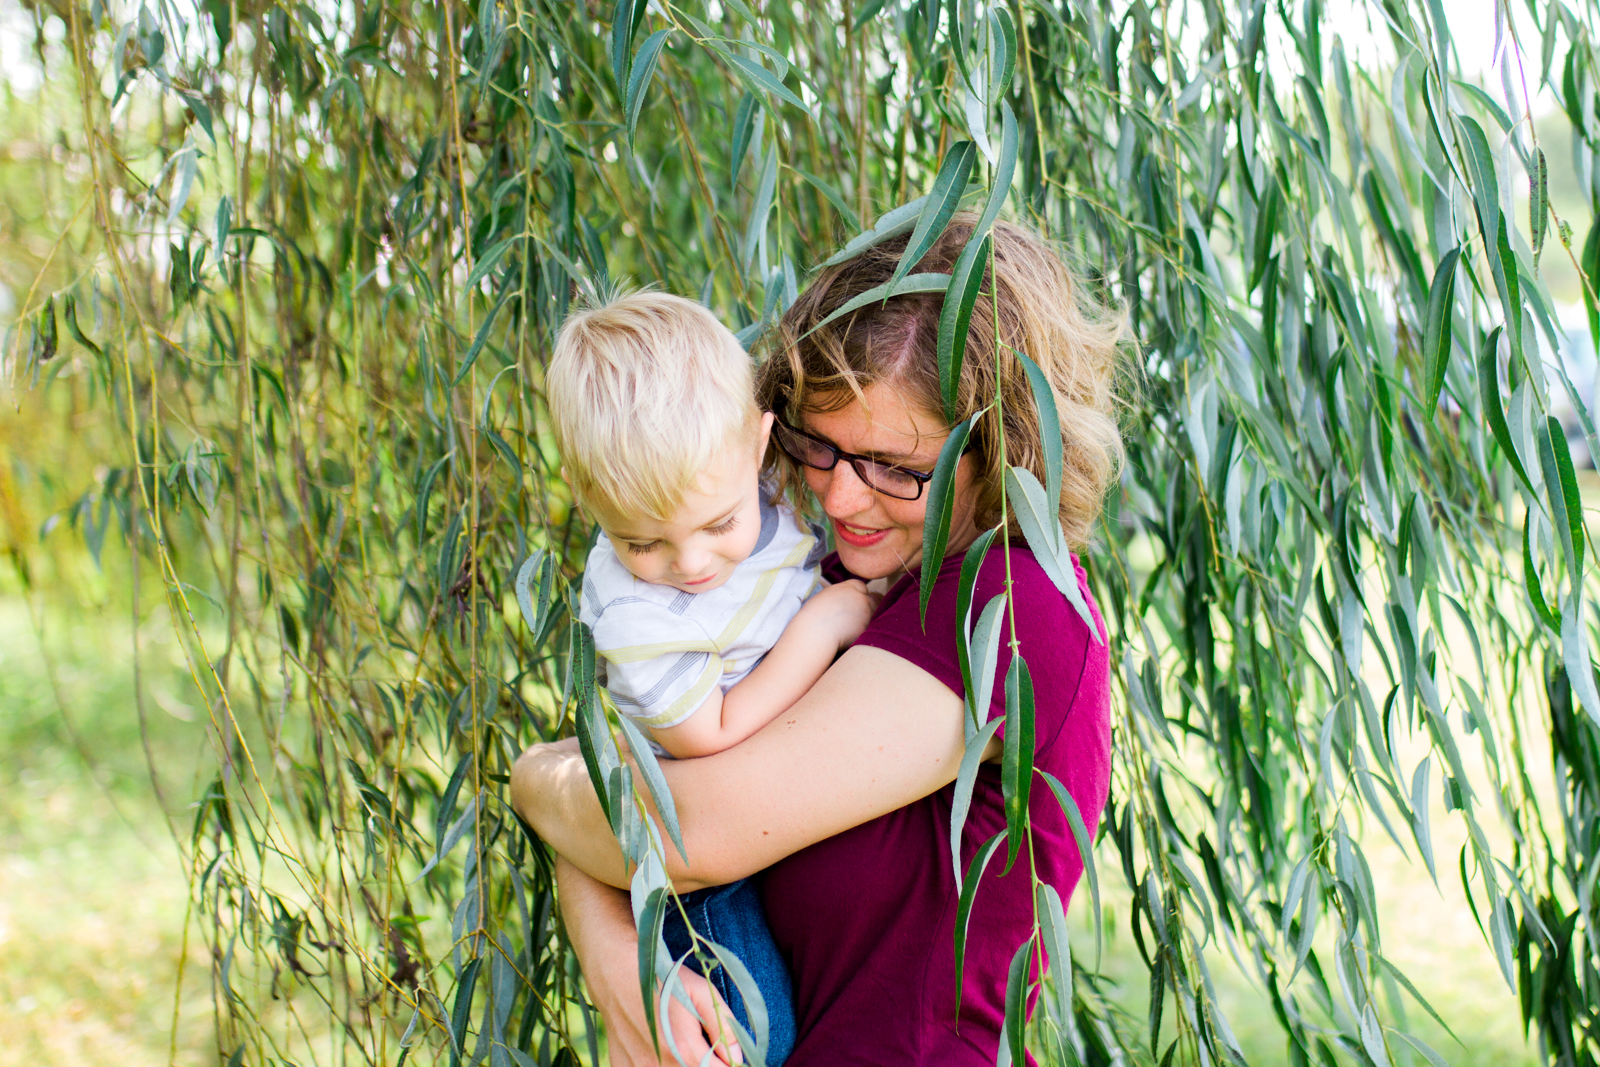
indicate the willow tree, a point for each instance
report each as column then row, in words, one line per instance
column 325, row 248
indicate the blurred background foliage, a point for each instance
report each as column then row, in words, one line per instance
column 278, row 282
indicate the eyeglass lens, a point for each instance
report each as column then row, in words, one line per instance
column 891, row 481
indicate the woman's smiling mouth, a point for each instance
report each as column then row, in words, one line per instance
column 859, row 536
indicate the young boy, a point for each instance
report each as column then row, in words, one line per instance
column 708, row 613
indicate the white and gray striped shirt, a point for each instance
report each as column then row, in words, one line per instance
column 661, row 649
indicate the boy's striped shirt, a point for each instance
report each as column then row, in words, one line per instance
column 660, row 650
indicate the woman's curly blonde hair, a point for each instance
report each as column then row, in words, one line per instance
column 1043, row 311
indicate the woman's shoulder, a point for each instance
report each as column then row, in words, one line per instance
column 1054, row 637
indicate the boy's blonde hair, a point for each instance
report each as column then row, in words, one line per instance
column 644, row 390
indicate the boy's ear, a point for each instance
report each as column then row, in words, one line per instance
column 765, row 436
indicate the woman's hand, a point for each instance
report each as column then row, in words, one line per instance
column 599, row 922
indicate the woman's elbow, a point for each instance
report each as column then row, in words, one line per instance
column 530, row 781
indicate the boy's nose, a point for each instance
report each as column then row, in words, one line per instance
column 691, row 562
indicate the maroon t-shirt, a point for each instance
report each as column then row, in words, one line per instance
column 866, row 919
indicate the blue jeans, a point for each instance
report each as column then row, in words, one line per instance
column 731, row 915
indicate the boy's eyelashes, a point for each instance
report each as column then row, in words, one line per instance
column 641, row 549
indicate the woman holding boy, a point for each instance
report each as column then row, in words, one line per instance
column 842, row 802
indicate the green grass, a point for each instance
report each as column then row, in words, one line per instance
column 93, row 889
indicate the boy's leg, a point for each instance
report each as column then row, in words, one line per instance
column 731, row 915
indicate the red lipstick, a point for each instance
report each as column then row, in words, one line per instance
column 857, row 540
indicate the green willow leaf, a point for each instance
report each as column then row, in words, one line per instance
column 1419, row 998
column 759, row 79
column 1041, row 526
column 1575, row 656
column 744, row 124
column 1016, row 759
column 460, row 1013
column 943, row 199
column 977, row 552
column 538, row 576
column 650, row 923
column 941, row 503
column 621, row 42
column 488, row 261
column 1538, row 203
column 1004, row 171
column 1058, row 953
column 966, row 779
column 481, row 338
column 890, row 225
column 754, row 1040
column 1419, row 816
column 69, row 314
column 1436, row 329
column 1003, row 60
column 1044, row 402
column 867, row 12
column 832, row 196
column 1561, row 489
column 955, row 315
column 966, row 278
column 1493, row 410
column 640, row 73
column 1016, row 1004
column 984, row 651
column 1085, row 842
column 1266, row 229
column 1485, row 186
column 763, row 207
column 969, row 889
column 425, row 490
column 588, row 717
column 912, row 283
column 644, row 758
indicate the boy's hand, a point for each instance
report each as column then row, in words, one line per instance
column 841, row 611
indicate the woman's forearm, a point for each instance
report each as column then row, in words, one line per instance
column 807, row 775
column 550, row 788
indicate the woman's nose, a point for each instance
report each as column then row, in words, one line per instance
column 845, row 494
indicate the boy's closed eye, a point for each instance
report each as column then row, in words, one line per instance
column 646, row 547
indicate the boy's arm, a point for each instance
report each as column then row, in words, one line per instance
column 824, row 626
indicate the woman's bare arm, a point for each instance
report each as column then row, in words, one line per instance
column 874, row 734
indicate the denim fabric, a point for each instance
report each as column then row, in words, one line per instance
column 731, row 915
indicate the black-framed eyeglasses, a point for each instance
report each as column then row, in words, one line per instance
column 901, row 483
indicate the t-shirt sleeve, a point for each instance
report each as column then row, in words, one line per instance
column 1052, row 635
column 660, row 666
column 898, row 628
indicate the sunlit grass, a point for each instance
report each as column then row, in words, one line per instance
column 92, row 887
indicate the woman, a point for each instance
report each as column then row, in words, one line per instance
column 844, row 801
